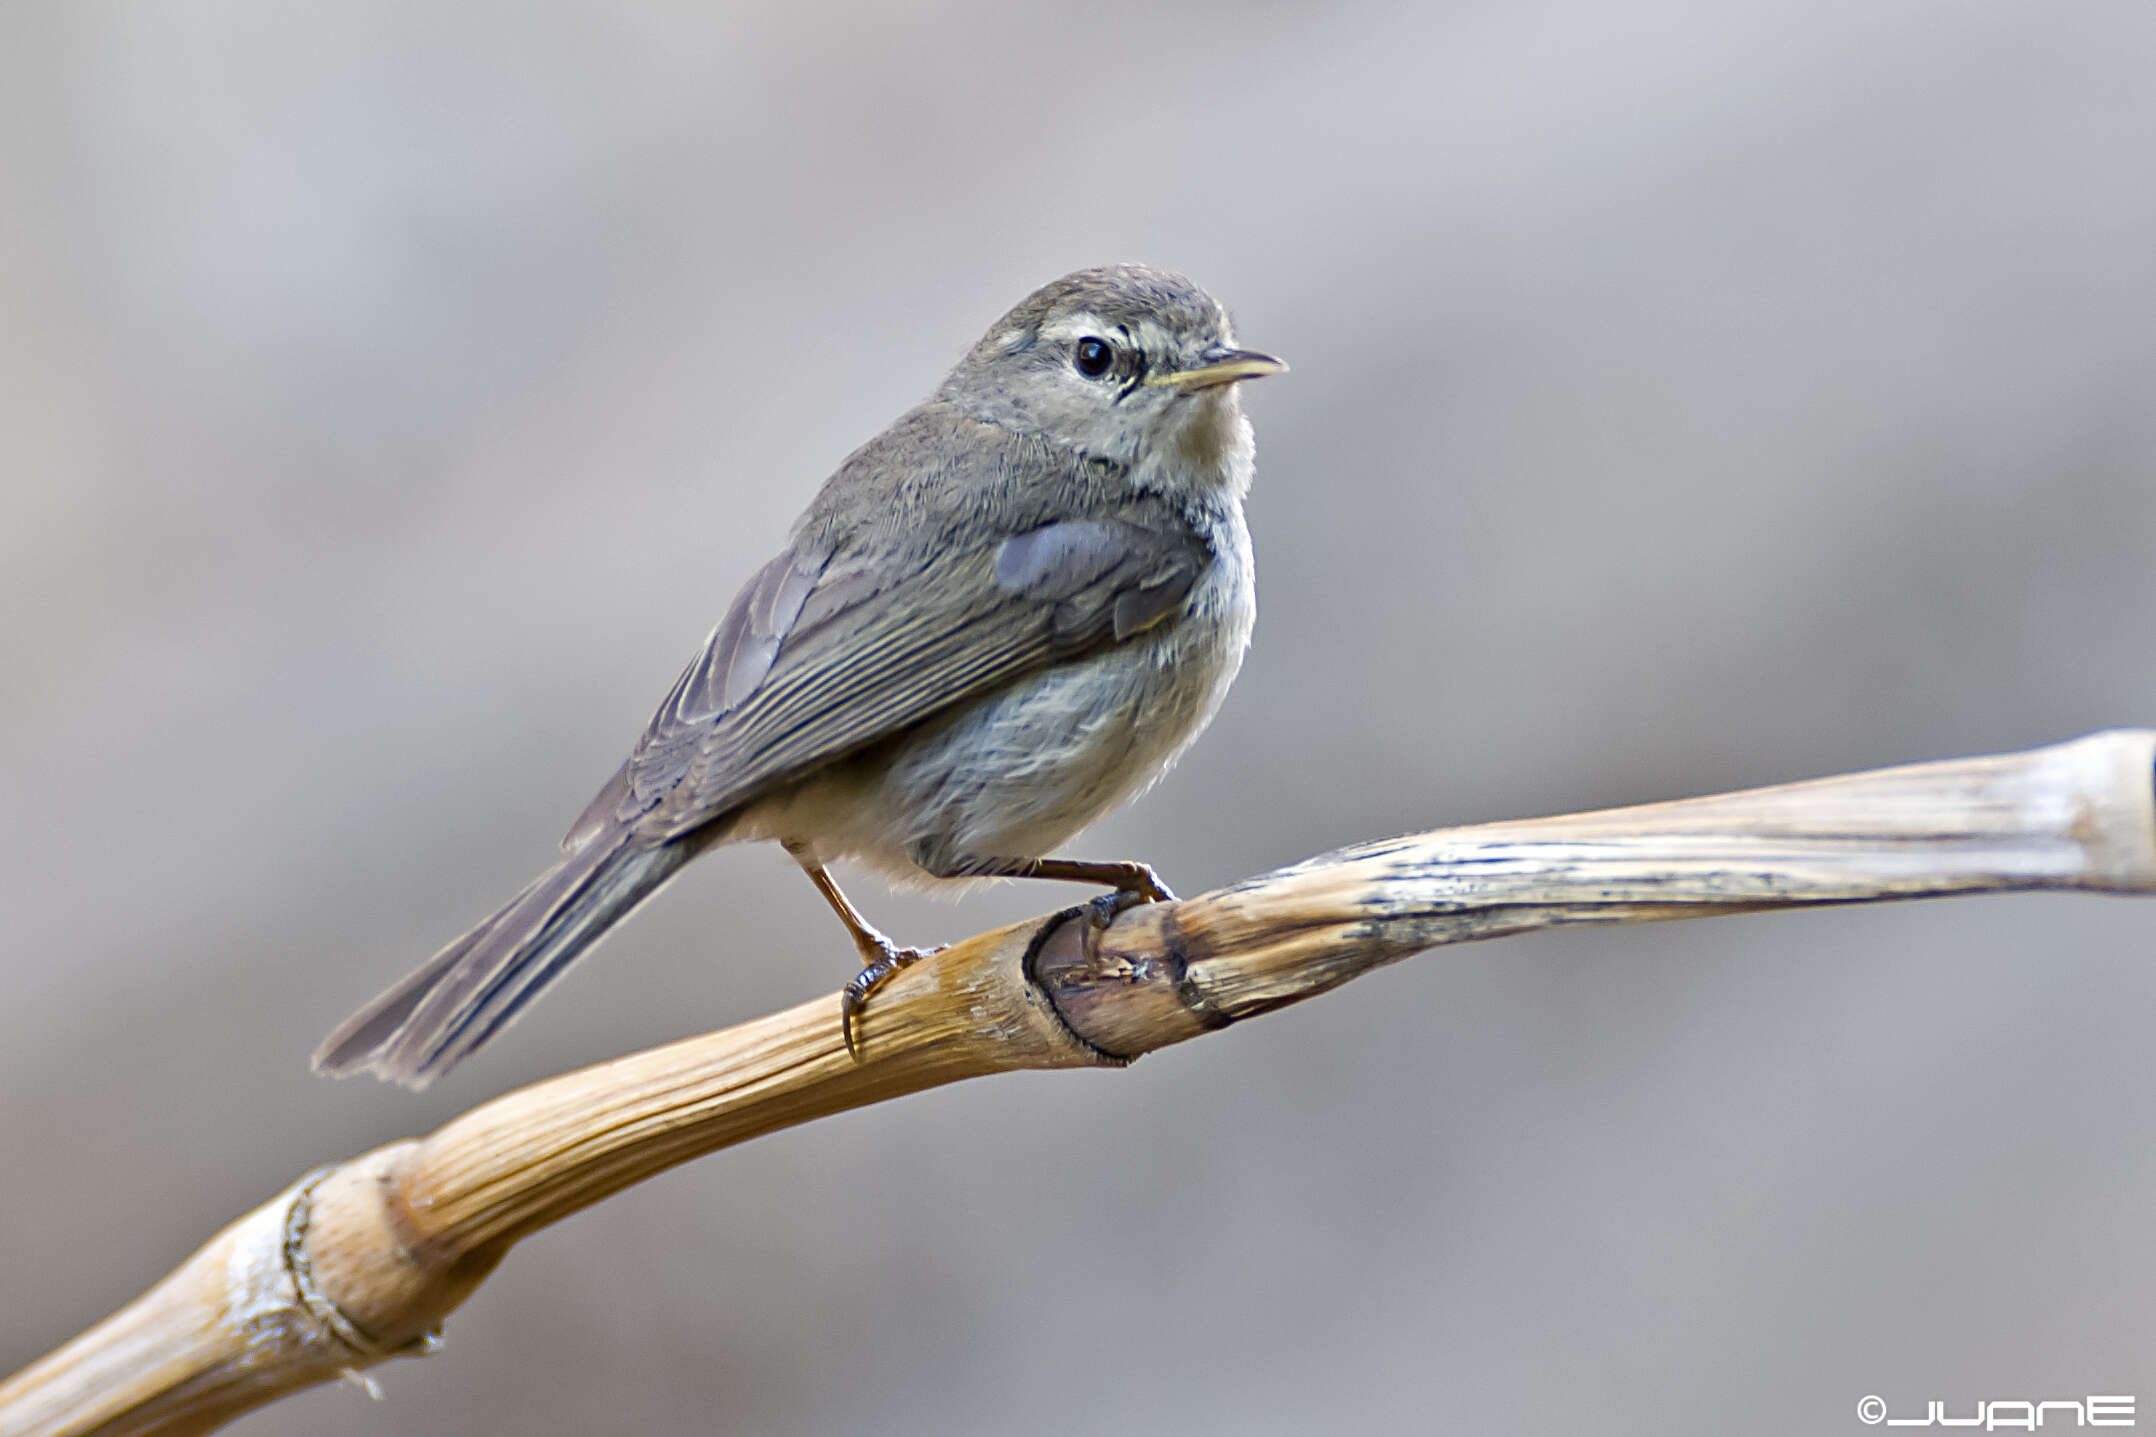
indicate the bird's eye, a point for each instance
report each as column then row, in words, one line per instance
column 1092, row 357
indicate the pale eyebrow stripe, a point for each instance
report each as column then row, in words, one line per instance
column 1075, row 326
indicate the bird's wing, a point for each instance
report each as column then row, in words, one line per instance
column 824, row 654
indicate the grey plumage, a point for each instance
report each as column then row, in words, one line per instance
column 1001, row 617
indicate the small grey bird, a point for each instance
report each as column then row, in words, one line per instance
column 1002, row 617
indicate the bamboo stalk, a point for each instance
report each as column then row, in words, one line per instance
column 361, row 1261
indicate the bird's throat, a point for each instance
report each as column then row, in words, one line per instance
column 1208, row 443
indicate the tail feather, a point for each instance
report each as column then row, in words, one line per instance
column 471, row 990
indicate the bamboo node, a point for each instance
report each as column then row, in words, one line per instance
column 365, row 1347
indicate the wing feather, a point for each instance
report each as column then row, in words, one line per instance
column 822, row 655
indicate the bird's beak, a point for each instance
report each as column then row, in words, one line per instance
column 1222, row 366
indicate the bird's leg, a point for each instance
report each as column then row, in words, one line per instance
column 1133, row 882
column 1137, row 879
column 880, row 957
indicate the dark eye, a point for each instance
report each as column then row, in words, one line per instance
column 1092, row 357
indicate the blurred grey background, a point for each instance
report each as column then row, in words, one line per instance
column 1686, row 396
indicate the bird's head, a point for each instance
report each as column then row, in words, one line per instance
column 1124, row 363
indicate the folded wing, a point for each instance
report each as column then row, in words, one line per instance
column 823, row 654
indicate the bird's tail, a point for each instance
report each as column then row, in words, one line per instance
column 468, row 992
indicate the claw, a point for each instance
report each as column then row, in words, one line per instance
column 1103, row 910
column 883, row 962
column 1146, row 886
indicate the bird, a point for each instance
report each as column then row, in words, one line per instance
column 1005, row 615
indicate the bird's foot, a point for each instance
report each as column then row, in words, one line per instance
column 1102, row 911
column 1135, row 883
column 881, row 962
column 1142, row 885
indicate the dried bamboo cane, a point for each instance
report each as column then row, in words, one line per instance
column 360, row 1261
